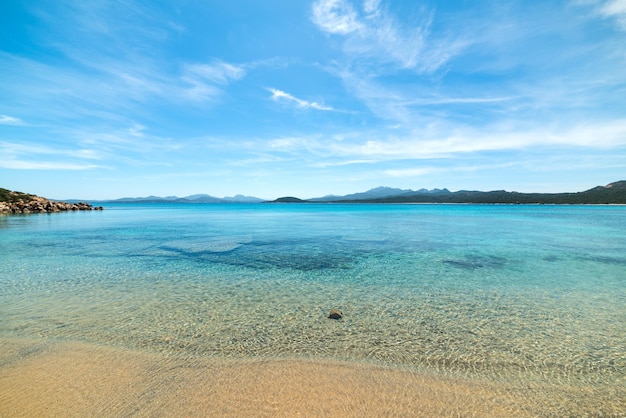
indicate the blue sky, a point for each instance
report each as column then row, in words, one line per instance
column 105, row 99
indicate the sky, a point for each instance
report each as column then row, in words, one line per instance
column 125, row 98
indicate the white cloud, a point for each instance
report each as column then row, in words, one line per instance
column 10, row 120
column 288, row 143
column 44, row 165
column 448, row 143
column 615, row 9
column 380, row 44
column 371, row 7
column 279, row 95
column 379, row 35
column 336, row 16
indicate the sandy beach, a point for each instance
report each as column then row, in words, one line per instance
column 77, row 380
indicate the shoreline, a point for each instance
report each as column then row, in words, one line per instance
column 23, row 203
column 62, row 378
column 41, row 205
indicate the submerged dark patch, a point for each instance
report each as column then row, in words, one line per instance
column 291, row 261
column 288, row 254
column 477, row 262
column 551, row 258
column 605, row 259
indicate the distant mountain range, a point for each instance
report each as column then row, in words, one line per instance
column 196, row 198
column 377, row 193
column 613, row 193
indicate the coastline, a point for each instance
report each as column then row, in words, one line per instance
column 43, row 378
column 12, row 202
column 36, row 204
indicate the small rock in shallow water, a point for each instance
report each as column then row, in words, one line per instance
column 335, row 314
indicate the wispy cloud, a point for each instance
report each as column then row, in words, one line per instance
column 39, row 157
column 441, row 100
column 411, row 172
column 458, row 141
column 118, row 55
column 44, row 165
column 373, row 32
column 137, row 130
column 408, row 74
column 446, row 142
column 10, row 120
column 207, row 80
column 279, row 95
column 13, row 149
column 616, row 9
column 336, row 16
column 378, row 46
column 613, row 9
column 219, row 72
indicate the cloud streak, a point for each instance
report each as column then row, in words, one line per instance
column 281, row 96
column 38, row 157
column 449, row 143
column 10, row 120
column 207, row 80
column 44, row 165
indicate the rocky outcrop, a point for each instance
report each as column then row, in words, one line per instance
column 21, row 203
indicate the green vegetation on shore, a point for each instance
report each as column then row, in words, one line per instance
column 9, row 196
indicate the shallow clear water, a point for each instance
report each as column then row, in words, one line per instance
column 481, row 289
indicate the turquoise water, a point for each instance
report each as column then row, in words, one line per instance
column 492, row 290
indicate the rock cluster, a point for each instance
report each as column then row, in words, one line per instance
column 38, row 204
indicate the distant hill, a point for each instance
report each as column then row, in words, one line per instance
column 145, row 199
column 613, row 193
column 196, row 198
column 289, row 199
column 377, row 193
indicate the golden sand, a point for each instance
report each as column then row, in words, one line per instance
column 39, row 379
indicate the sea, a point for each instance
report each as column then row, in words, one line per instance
column 535, row 292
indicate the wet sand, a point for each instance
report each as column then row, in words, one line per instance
column 44, row 379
